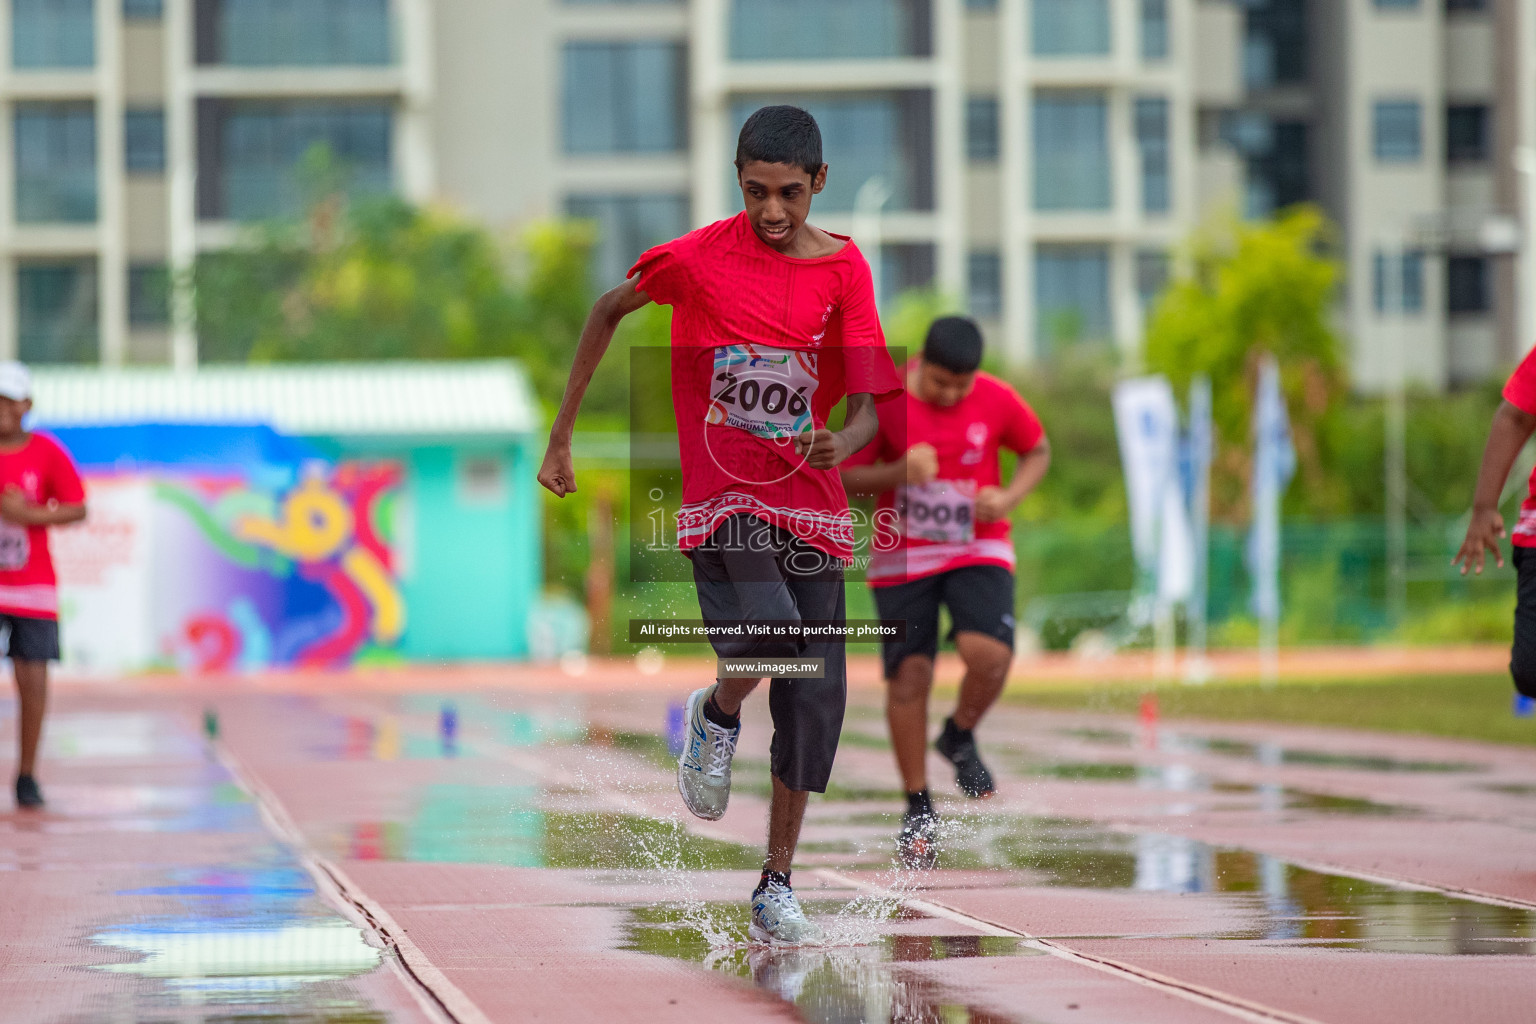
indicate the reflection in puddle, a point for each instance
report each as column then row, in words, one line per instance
column 1271, row 753
column 876, row 981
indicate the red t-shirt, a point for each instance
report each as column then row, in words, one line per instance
column 1521, row 393
column 923, row 531
column 763, row 346
column 44, row 472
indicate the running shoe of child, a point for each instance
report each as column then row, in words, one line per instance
column 917, row 845
column 776, row 914
column 959, row 747
column 704, row 769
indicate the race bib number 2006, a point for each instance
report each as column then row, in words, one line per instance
column 763, row 390
column 943, row 511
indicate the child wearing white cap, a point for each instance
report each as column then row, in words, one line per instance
column 39, row 488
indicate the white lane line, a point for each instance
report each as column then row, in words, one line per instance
column 1213, row 999
column 441, row 1000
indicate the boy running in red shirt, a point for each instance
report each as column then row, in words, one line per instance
column 1513, row 425
column 952, row 547
column 773, row 321
column 39, row 488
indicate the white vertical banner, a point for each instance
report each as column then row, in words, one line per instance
column 1201, row 453
column 1274, row 463
column 1147, row 425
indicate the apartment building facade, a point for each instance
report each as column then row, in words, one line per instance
column 1039, row 159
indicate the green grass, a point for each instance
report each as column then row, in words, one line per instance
column 1466, row 707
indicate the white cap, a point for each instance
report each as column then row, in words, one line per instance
column 15, row 381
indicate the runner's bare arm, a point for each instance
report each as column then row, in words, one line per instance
column 995, row 503
column 614, row 305
column 15, row 508
column 1512, row 427
column 824, row 448
column 920, row 465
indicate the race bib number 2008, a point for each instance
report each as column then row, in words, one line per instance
column 763, row 390
column 943, row 511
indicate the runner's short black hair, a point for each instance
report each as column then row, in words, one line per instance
column 954, row 342
column 780, row 135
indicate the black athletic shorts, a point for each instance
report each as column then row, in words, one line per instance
column 1522, row 656
column 752, row 571
column 979, row 599
column 30, row 639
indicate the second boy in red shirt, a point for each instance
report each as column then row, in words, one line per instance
column 939, row 483
column 773, row 323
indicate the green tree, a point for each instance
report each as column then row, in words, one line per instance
column 1248, row 289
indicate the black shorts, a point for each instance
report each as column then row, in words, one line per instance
column 30, row 639
column 1522, row 656
column 979, row 599
column 752, row 571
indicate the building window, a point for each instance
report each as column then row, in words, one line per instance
column 981, row 128
column 1274, row 43
column 1410, row 277
column 1154, row 29
column 1467, row 136
column 1277, row 154
column 1071, row 296
column 624, row 98
column 1397, row 131
column 56, row 312
column 1151, row 278
column 53, row 34
column 293, row 33
column 905, row 267
column 884, row 135
column 144, row 10
column 265, row 158
column 55, row 162
column 1152, row 141
column 1398, row 5
column 1069, row 28
column 981, row 5
column 1467, row 285
column 1466, row 6
column 626, row 227
column 144, row 141
column 1071, row 158
column 984, row 284
column 149, row 295
column 830, row 29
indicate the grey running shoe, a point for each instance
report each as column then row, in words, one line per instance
column 777, row 917
column 704, row 769
column 959, row 747
column 27, row 792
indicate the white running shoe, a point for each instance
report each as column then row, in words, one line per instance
column 704, row 769
column 777, row 917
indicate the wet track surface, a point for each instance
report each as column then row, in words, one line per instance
column 501, row 855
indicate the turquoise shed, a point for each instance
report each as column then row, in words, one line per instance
column 466, row 519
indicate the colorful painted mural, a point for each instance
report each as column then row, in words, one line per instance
column 238, row 571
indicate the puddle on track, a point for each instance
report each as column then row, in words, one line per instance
column 1273, row 754
column 872, row 980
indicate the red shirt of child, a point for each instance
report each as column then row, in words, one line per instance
column 935, row 530
column 764, row 345
column 44, row 472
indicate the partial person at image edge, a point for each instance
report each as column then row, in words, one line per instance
column 39, row 488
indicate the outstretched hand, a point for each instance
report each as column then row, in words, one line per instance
column 557, row 474
column 1484, row 532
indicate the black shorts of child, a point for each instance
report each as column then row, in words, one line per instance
column 752, row 571
column 30, row 639
column 979, row 599
column 1522, row 656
